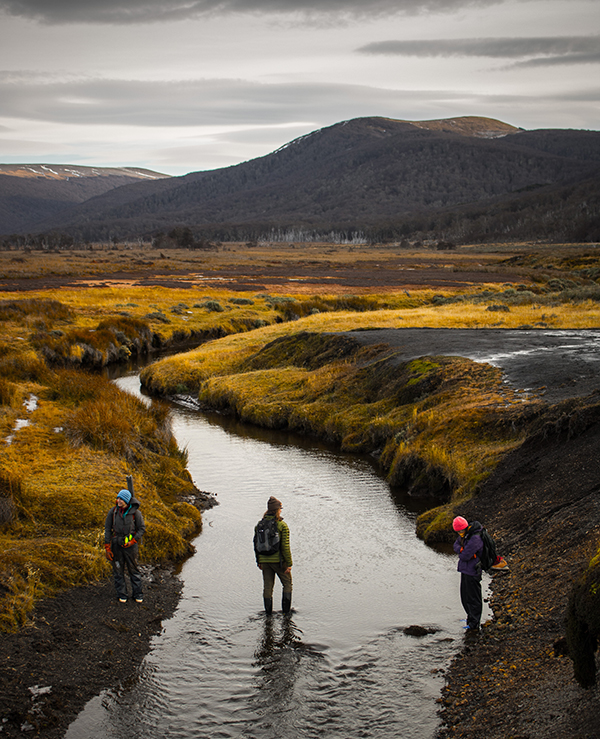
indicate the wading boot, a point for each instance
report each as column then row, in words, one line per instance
column 268, row 606
column 286, row 602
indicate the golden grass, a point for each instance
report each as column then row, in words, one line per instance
column 439, row 425
column 438, row 422
column 185, row 372
column 59, row 477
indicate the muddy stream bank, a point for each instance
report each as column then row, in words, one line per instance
column 342, row 664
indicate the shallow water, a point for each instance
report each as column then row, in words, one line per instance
column 341, row 665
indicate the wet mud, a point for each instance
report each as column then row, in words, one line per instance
column 76, row 645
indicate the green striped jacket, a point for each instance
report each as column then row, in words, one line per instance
column 284, row 554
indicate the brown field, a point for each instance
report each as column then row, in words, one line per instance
column 294, row 268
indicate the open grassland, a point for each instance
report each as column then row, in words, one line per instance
column 301, row 268
column 128, row 260
column 69, row 437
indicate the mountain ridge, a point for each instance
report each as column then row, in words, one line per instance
column 30, row 193
column 68, row 171
column 372, row 175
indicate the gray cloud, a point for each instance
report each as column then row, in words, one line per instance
column 593, row 58
column 175, row 103
column 195, row 103
column 538, row 51
column 148, row 11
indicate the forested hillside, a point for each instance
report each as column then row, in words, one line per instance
column 381, row 179
column 30, row 193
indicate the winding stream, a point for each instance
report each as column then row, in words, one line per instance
column 341, row 665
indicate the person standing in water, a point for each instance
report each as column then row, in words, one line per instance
column 273, row 555
column 123, row 531
column 469, row 546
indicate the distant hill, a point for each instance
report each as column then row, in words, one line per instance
column 458, row 179
column 30, row 193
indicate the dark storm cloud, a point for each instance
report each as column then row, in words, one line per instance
column 148, row 11
column 537, row 51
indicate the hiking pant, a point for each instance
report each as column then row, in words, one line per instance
column 125, row 558
column 269, row 570
column 470, row 597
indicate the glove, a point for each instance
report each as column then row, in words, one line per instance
column 108, row 552
column 129, row 541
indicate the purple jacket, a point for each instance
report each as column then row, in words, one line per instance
column 469, row 550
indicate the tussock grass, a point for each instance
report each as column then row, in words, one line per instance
column 185, row 373
column 28, row 310
column 32, row 569
column 59, row 477
column 438, row 424
column 22, row 364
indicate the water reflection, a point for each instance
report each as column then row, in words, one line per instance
column 340, row 665
column 278, row 659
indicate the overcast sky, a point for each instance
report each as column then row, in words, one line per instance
column 184, row 85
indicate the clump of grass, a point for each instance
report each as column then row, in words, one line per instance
column 439, row 425
column 22, row 364
column 59, row 477
column 32, row 569
column 114, row 339
column 211, row 305
column 8, row 392
column 72, row 387
column 157, row 316
column 115, row 421
column 44, row 309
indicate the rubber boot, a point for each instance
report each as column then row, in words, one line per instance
column 286, row 602
column 268, row 606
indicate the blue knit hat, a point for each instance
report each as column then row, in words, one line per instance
column 125, row 495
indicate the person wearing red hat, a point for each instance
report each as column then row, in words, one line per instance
column 469, row 546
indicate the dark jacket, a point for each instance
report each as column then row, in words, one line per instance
column 122, row 522
column 469, row 550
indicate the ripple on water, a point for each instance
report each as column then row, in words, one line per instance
column 341, row 666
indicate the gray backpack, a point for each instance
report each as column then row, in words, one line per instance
column 266, row 536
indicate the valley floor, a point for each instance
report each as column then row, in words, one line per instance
column 543, row 506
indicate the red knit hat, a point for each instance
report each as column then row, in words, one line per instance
column 459, row 523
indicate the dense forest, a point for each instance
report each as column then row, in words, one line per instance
column 374, row 179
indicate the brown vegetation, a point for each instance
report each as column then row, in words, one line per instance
column 83, row 435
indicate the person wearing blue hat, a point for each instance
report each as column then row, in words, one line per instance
column 123, row 531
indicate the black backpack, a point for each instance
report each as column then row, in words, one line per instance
column 266, row 536
column 488, row 555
